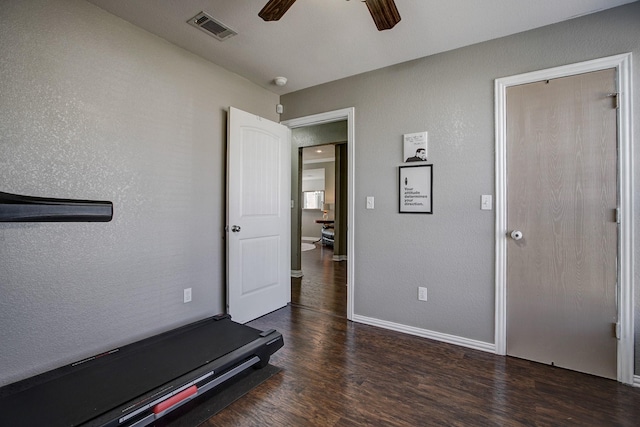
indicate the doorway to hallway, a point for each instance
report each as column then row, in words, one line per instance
column 344, row 205
column 324, row 284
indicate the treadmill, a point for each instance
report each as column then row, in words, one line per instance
column 137, row 384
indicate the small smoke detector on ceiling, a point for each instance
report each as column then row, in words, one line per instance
column 211, row 26
column 280, row 81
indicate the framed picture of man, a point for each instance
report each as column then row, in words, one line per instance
column 416, row 186
column 415, row 147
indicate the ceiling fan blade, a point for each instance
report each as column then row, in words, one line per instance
column 275, row 9
column 384, row 12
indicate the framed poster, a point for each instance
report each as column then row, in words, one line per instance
column 415, row 147
column 416, row 185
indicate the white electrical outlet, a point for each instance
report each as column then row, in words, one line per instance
column 187, row 295
column 422, row 293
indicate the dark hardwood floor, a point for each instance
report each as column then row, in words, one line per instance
column 324, row 284
column 339, row 373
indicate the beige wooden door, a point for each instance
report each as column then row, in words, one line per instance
column 561, row 196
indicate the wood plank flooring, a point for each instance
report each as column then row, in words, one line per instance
column 339, row 373
column 324, row 284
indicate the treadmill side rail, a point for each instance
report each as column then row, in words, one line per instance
column 255, row 354
column 136, row 384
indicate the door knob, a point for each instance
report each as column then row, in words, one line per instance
column 516, row 235
column 235, row 228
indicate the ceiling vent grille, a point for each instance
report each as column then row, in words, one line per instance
column 212, row 27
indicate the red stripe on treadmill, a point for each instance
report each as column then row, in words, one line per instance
column 163, row 406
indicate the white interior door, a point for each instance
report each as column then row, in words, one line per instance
column 258, row 216
column 562, row 198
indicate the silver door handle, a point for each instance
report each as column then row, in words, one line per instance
column 516, row 235
column 235, row 228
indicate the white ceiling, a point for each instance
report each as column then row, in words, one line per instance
column 318, row 154
column 318, row 41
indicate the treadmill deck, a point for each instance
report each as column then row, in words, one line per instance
column 116, row 387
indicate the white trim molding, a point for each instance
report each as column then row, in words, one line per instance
column 340, row 258
column 636, row 381
column 425, row 333
column 347, row 114
column 622, row 63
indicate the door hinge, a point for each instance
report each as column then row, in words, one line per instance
column 616, row 330
column 617, row 215
column 616, row 99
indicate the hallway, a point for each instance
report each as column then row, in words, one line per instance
column 324, row 284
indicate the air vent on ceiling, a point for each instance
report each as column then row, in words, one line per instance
column 212, row 27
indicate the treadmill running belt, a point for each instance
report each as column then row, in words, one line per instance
column 88, row 389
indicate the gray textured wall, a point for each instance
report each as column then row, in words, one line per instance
column 92, row 107
column 450, row 95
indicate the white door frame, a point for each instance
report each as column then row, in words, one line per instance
column 622, row 64
column 329, row 117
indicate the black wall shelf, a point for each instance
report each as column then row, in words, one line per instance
column 17, row 208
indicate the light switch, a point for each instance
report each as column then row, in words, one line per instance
column 369, row 202
column 487, row 202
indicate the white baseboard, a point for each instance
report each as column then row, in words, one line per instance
column 296, row 273
column 425, row 333
column 339, row 257
column 636, row 380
